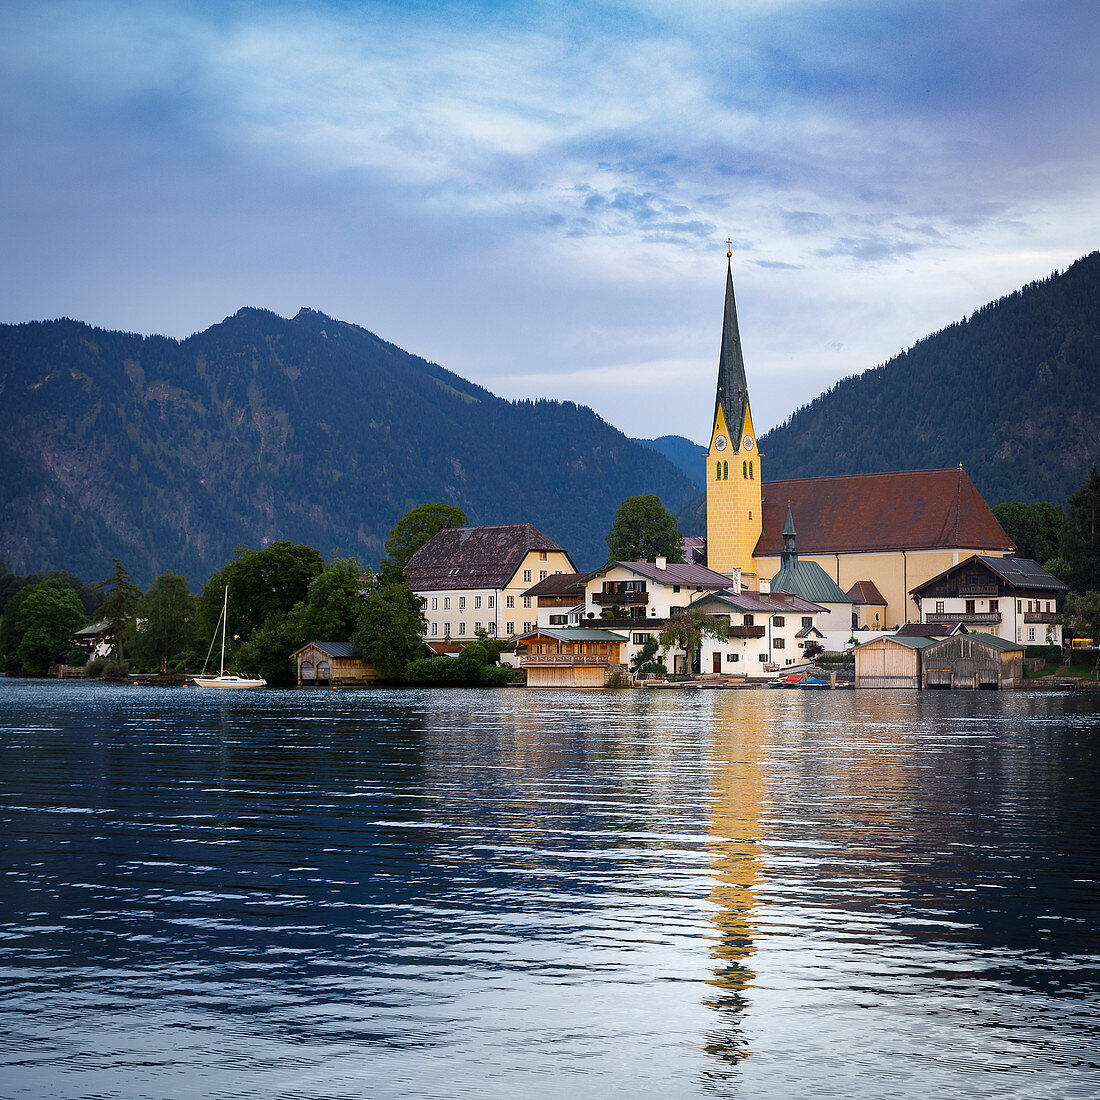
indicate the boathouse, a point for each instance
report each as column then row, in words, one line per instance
column 972, row 661
column 571, row 657
column 333, row 664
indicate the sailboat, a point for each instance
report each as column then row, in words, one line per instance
column 224, row 679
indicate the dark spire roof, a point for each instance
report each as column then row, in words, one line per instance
column 788, row 527
column 733, row 389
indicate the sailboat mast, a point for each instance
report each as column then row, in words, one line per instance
column 225, row 615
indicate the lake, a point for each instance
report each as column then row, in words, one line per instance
column 448, row 893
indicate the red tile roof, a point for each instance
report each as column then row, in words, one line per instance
column 474, row 557
column 908, row 510
column 865, row 592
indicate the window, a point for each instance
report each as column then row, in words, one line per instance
column 446, row 630
column 734, row 657
column 527, row 576
column 1031, row 633
column 542, row 574
column 509, row 601
column 558, row 620
column 477, row 601
column 1019, row 609
column 969, row 607
column 780, row 620
column 461, row 603
column 526, row 601
column 807, row 620
column 939, row 607
column 462, row 628
column 510, row 627
column 490, row 628
column 528, row 627
column 778, row 643
column 1029, row 607
column 725, row 471
column 718, row 471
column 640, row 638
column 492, row 601
column 994, row 605
column 747, row 620
column 745, row 470
column 675, row 588
column 542, row 555
column 750, row 478
column 435, row 603
column 446, row 603
column 435, row 629
column 763, row 657
column 477, row 627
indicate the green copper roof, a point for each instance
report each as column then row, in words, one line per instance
column 808, row 580
column 733, row 389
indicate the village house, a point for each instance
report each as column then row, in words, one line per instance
column 558, row 599
column 1011, row 598
column 572, row 657
column 474, row 578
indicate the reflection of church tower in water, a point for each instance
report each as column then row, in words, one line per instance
column 733, row 464
column 737, row 793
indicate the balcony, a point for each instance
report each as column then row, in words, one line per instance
column 1047, row 617
column 745, row 632
column 978, row 590
column 975, row 618
column 562, row 660
column 620, row 599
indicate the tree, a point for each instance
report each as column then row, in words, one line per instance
column 646, row 661
column 1035, row 528
column 686, row 631
column 414, row 529
column 644, row 530
column 39, row 624
column 1081, row 536
column 391, row 628
column 261, row 583
column 166, row 617
column 118, row 608
column 1081, row 615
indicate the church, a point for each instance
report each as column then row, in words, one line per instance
column 891, row 532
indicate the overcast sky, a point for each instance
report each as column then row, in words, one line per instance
column 537, row 196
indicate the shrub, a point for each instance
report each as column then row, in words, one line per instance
column 94, row 668
column 77, row 658
column 114, row 670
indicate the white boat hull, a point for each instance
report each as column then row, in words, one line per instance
column 227, row 681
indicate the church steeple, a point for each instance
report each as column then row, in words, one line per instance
column 789, row 555
column 733, row 390
column 733, row 463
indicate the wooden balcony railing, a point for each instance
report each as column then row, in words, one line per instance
column 745, row 632
column 620, row 599
column 569, row 660
column 978, row 590
column 1040, row 616
column 983, row 618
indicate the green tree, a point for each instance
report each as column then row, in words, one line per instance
column 1081, row 536
column 166, row 621
column 39, row 624
column 686, row 630
column 414, row 529
column 118, row 608
column 1036, row 529
column 644, row 530
column 645, row 661
column 391, row 628
column 261, row 583
column 330, row 613
column 1081, row 614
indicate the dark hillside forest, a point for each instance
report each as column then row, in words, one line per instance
column 1012, row 392
column 169, row 454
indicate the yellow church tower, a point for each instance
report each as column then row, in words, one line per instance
column 733, row 463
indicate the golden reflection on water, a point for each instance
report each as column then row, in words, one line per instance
column 737, row 791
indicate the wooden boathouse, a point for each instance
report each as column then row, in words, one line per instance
column 333, row 664
column 570, row 657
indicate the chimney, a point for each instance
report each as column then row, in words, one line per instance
column 661, row 562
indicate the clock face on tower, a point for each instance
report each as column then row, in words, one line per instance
column 748, row 443
column 720, row 443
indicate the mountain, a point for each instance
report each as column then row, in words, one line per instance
column 681, row 452
column 169, row 454
column 1012, row 392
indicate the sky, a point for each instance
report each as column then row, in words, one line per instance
column 538, row 196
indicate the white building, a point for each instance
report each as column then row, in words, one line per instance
column 474, row 578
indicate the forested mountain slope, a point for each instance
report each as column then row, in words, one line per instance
column 169, row 454
column 1012, row 392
